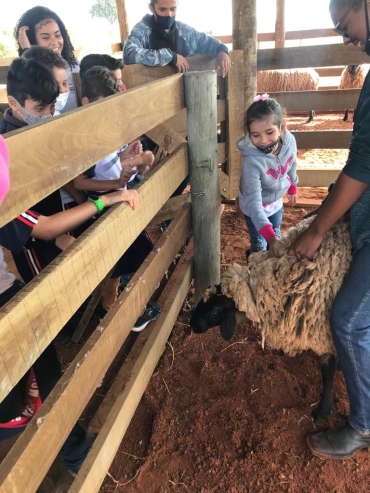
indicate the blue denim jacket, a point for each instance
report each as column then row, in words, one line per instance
column 358, row 168
column 137, row 49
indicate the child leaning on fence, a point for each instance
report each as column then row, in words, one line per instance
column 269, row 172
column 23, row 401
column 37, row 236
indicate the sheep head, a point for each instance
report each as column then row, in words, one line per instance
column 215, row 309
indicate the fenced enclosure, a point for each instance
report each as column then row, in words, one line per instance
column 59, row 150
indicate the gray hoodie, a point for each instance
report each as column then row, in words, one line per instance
column 265, row 179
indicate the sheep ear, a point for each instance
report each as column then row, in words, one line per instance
column 228, row 324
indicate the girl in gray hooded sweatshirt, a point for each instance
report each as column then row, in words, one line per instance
column 269, row 172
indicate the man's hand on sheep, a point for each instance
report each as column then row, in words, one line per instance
column 272, row 245
column 292, row 200
column 306, row 245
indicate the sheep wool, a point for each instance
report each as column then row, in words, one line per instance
column 353, row 76
column 290, row 299
column 287, row 80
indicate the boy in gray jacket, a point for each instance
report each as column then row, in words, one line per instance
column 269, row 172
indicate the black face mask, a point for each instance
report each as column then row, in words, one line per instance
column 268, row 149
column 166, row 22
column 367, row 47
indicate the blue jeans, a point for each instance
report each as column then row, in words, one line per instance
column 350, row 324
column 258, row 242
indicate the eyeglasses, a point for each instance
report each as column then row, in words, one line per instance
column 340, row 30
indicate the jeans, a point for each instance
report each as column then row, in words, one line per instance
column 258, row 242
column 350, row 324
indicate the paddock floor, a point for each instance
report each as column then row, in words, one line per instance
column 229, row 417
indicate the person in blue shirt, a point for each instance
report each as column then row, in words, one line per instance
column 159, row 39
column 350, row 317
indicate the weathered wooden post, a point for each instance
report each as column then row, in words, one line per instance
column 201, row 105
column 280, row 24
column 245, row 38
column 122, row 20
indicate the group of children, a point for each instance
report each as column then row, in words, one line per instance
column 39, row 87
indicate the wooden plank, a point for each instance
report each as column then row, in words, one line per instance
column 305, row 202
column 65, row 146
column 329, row 71
column 290, row 35
column 308, row 56
column 127, row 369
column 324, row 139
column 221, row 153
column 224, row 183
column 171, row 208
column 46, row 433
column 280, row 24
column 235, row 119
column 97, row 463
column 330, row 100
column 318, row 177
column 158, row 133
column 33, row 311
column 3, row 73
column 122, row 19
column 3, row 96
column 5, row 62
column 116, row 48
column 137, row 75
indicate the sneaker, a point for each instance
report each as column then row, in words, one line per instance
column 152, row 312
column 165, row 225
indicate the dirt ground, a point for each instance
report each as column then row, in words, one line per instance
column 229, row 417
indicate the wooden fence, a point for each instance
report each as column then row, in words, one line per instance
column 57, row 151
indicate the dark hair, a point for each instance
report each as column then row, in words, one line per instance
column 344, row 4
column 261, row 110
column 98, row 82
column 90, row 61
column 37, row 14
column 29, row 79
column 45, row 56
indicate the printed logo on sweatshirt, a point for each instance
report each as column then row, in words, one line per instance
column 281, row 170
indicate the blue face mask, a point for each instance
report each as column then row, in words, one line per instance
column 30, row 119
column 165, row 21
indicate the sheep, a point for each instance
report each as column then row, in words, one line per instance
column 290, row 300
column 288, row 80
column 353, row 77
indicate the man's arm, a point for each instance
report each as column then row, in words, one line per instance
column 136, row 51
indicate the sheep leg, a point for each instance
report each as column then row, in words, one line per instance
column 310, row 116
column 345, row 119
column 321, row 413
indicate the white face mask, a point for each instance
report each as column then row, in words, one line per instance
column 61, row 101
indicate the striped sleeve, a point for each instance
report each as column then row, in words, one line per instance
column 15, row 235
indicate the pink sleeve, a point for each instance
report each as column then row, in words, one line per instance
column 292, row 190
column 267, row 232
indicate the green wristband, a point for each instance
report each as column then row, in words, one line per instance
column 97, row 201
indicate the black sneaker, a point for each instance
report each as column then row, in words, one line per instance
column 152, row 312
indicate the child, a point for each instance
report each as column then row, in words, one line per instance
column 269, row 172
column 41, row 26
column 54, row 62
column 113, row 172
column 58, row 66
column 23, row 401
column 115, row 65
column 120, row 167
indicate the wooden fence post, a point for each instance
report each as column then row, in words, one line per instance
column 122, row 20
column 201, row 105
column 280, row 24
column 245, row 38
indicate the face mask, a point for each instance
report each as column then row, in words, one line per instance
column 30, row 119
column 61, row 101
column 367, row 47
column 165, row 22
column 268, row 149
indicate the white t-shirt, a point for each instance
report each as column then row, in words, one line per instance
column 270, row 209
column 71, row 103
column 6, row 278
column 110, row 168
